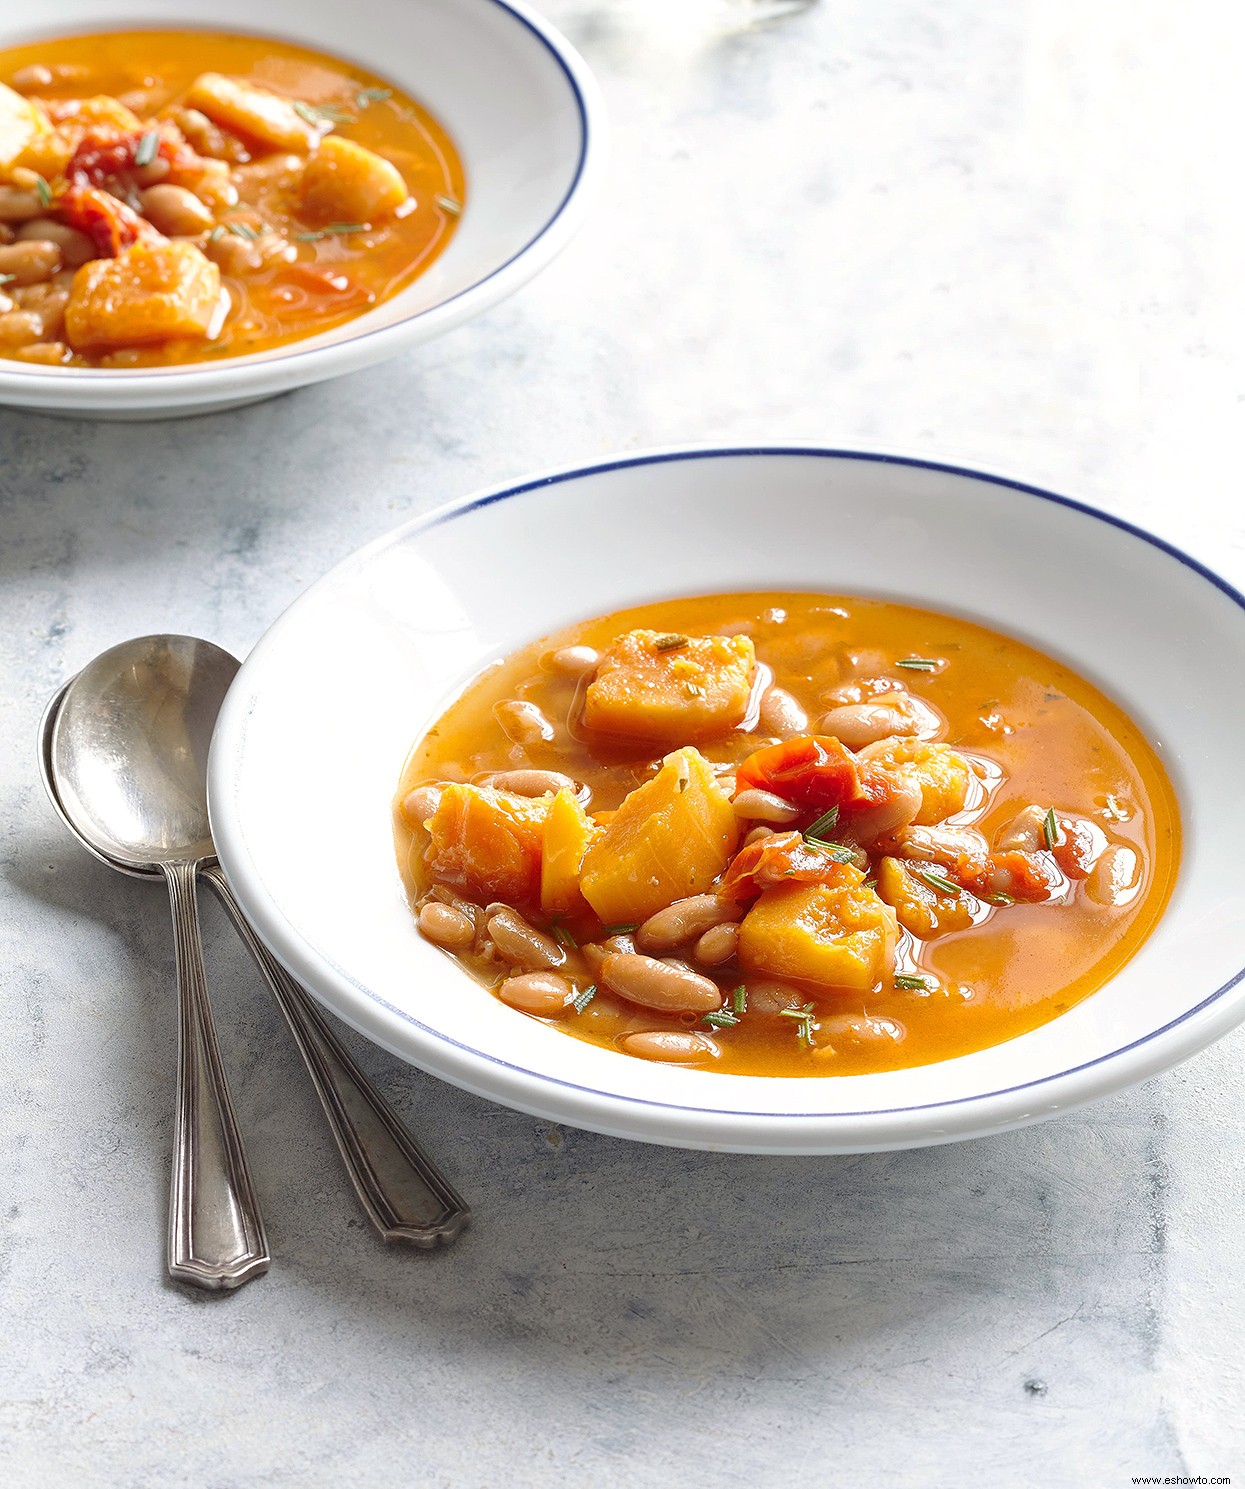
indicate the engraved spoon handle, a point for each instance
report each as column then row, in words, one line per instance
column 216, row 1232
column 405, row 1195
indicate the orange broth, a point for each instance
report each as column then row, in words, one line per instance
column 1041, row 732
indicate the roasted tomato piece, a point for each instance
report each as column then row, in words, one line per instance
column 784, row 858
column 1013, row 875
column 106, row 154
column 813, row 770
column 109, row 223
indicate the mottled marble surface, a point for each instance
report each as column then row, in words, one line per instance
column 1004, row 232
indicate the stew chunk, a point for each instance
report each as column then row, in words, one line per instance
column 20, row 124
column 149, row 292
column 345, row 182
column 654, row 686
column 487, row 845
column 819, row 936
column 671, row 838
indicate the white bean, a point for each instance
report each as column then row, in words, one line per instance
column 76, row 248
column 543, row 994
column 677, row 923
column 446, row 925
column 531, row 782
column 174, row 211
column 718, row 944
column 523, row 722
column 571, row 661
column 859, row 1031
column 29, row 263
column 655, row 984
column 900, row 807
column 940, row 844
column 421, row 803
column 17, row 204
column 1024, row 833
column 781, row 713
column 1115, row 878
column 671, row 1046
column 755, row 805
column 859, row 724
column 521, row 944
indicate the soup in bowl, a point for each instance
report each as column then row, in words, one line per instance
column 1069, row 907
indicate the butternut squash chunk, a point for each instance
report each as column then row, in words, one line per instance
column 920, row 908
column 942, row 775
column 21, row 123
column 149, row 292
column 659, row 687
column 568, row 833
column 345, row 182
column 487, row 845
column 670, row 838
column 819, row 937
column 249, row 111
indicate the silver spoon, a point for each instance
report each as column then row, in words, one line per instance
column 123, row 753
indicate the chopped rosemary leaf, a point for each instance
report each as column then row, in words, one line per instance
column 720, row 1020
column 999, row 899
column 448, row 204
column 218, row 231
column 827, row 822
column 581, row 1000
column 620, row 930
column 7, row 278
column 909, row 981
column 334, row 230
column 563, row 936
column 366, row 96
column 918, row 664
column 1050, row 829
column 936, row 880
column 840, row 852
column 317, row 114
column 739, row 1000
column 242, row 230
column 44, row 190
column 145, row 150
column 804, row 1019
column 669, row 643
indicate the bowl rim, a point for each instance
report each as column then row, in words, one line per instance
column 317, row 362
column 712, row 1126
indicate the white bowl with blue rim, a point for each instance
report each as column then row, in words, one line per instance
column 314, row 733
column 520, row 105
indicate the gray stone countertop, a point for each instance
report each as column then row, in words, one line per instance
column 1004, row 233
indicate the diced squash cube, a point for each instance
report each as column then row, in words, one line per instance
column 487, row 845
column 920, row 908
column 942, row 775
column 344, row 182
column 21, row 123
column 150, row 292
column 251, row 111
column 654, row 686
column 671, row 838
column 568, row 834
column 819, row 937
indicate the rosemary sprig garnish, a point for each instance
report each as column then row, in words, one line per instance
column 334, row 230
column 910, row 982
column 669, row 643
column 44, row 191
column 936, row 880
column 918, row 664
column 827, row 822
column 839, row 852
column 145, row 150
column 316, row 113
column 804, row 1020
column 739, row 1000
column 720, row 1020
column 620, row 930
column 449, row 205
column 365, row 97
column 581, row 1000
column 1050, row 830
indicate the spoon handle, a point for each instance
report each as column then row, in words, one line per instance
column 405, row 1195
column 216, row 1232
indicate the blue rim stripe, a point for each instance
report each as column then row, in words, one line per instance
column 450, row 513
column 230, row 364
